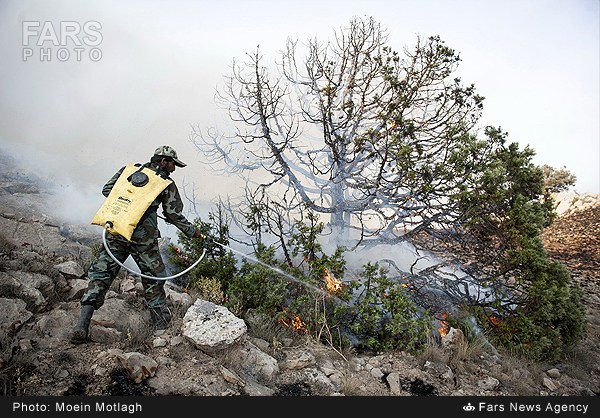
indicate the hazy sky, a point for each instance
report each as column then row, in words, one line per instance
column 149, row 69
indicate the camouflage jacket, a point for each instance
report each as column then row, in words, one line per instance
column 172, row 206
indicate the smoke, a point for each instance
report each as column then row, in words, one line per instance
column 70, row 189
column 72, row 194
column 73, row 187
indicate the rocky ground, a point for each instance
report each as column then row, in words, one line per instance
column 36, row 357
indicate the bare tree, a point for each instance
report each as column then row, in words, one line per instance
column 387, row 147
column 378, row 142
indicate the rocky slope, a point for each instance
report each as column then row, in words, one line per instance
column 42, row 265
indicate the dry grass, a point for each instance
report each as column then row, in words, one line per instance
column 465, row 355
column 433, row 352
column 520, row 374
column 351, row 385
column 208, row 288
column 263, row 327
column 138, row 334
column 460, row 351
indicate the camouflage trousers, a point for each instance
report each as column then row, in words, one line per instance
column 104, row 269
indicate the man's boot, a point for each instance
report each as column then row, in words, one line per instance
column 80, row 331
column 161, row 317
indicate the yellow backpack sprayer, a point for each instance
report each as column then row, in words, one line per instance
column 133, row 193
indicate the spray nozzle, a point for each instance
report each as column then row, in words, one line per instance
column 206, row 239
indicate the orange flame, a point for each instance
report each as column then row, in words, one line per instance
column 180, row 255
column 494, row 321
column 444, row 326
column 332, row 284
column 406, row 284
column 296, row 324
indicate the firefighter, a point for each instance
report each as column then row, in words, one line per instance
column 142, row 245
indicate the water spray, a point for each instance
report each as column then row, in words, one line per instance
column 282, row 273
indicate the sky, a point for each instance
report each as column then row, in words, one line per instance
column 148, row 70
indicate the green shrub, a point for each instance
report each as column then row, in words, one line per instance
column 536, row 309
column 386, row 318
column 257, row 286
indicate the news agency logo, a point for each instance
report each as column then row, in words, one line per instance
column 63, row 41
column 468, row 407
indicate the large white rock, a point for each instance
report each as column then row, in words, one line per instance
column 212, row 327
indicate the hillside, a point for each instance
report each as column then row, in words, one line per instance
column 39, row 304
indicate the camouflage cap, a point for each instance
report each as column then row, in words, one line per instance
column 167, row 151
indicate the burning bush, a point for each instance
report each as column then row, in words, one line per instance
column 372, row 312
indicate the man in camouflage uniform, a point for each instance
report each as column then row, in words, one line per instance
column 143, row 248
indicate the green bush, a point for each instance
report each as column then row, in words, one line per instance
column 386, row 318
column 218, row 263
column 257, row 286
column 549, row 322
column 536, row 308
